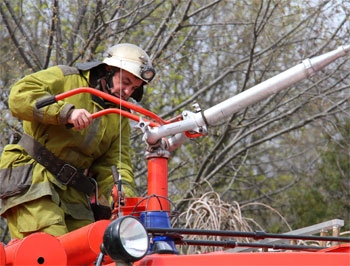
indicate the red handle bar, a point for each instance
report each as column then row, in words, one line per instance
column 158, row 121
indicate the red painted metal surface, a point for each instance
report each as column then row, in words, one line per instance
column 343, row 248
column 35, row 249
column 2, row 254
column 133, row 206
column 83, row 245
column 251, row 259
column 158, row 184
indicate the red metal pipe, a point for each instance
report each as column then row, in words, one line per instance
column 158, row 184
column 123, row 113
column 2, row 255
column 113, row 99
column 35, row 249
column 83, row 245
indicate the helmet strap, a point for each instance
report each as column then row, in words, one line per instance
column 105, row 83
column 109, row 79
column 102, row 85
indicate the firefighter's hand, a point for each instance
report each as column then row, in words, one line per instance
column 80, row 118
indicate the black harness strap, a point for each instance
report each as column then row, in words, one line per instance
column 65, row 173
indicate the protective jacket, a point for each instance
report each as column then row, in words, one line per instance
column 103, row 144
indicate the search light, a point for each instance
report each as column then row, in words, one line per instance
column 126, row 239
column 147, row 73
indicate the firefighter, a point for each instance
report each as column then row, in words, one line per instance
column 48, row 177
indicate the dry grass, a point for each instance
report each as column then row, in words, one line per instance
column 209, row 212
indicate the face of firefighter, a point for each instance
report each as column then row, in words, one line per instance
column 124, row 84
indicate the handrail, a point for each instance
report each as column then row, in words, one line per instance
column 309, row 230
column 54, row 98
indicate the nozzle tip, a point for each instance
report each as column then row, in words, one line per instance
column 346, row 48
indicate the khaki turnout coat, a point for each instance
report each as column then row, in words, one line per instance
column 103, row 144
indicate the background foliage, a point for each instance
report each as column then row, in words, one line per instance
column 290, row 151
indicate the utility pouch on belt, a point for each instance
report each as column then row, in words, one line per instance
column 65, row 173
column 15, row 180
column 101, row 212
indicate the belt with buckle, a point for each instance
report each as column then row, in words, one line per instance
column 66, row 173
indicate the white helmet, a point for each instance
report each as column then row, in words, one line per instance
column 132, row 59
